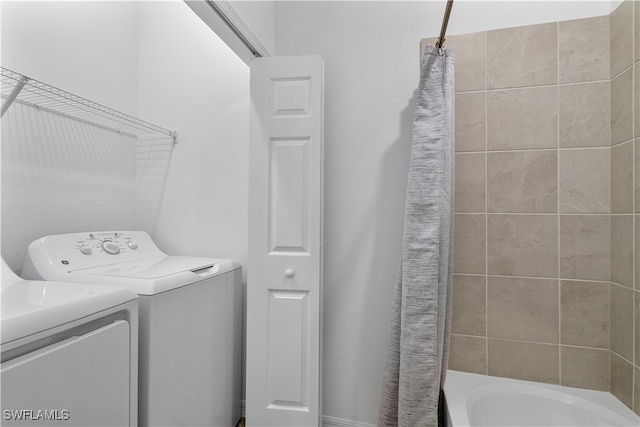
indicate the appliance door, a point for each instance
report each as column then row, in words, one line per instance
column 81, row 381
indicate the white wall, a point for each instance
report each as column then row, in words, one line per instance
column 87, row 48
column 189, row 80
column 59, row 176
column 371, row 53
column 156, row 60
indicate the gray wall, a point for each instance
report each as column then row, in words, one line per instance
column 531, row 291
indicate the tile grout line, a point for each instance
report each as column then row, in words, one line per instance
column 564, row 279
column 558, row 83
column 539, row 342
column 629, row 67
column 623, row 358
column 634, row 398
column 486, row 203
column 610, row 216
column 535, row 150
column 545, row 213
column 558, row 257
column 619, row 144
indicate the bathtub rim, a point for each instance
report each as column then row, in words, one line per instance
column 460, row 386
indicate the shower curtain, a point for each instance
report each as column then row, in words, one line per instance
column 419, row 340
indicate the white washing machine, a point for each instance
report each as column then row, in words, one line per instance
column 69, row 353
column 190, row 320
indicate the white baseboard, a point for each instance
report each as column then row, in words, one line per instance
column 326, row 420
column 339, row 422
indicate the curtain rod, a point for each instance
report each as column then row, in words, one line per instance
column 445, row 22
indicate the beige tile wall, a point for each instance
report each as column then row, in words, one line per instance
column 624, row 294
column 546, row 246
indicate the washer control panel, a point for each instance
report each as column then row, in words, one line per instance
column 108, row 242
column 92, row 249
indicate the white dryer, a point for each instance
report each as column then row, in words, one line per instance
column 190, row 319
column 69, row 353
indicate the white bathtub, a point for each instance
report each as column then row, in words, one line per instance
column 479, row 400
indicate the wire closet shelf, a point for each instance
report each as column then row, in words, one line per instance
column 16, row 87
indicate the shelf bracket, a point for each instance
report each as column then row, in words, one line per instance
column 13, row 95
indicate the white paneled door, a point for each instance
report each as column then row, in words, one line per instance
column 285, row 242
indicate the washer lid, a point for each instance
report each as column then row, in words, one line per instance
column 151, row 268
column 155, row 275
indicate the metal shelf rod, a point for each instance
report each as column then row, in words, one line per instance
column 34, row 93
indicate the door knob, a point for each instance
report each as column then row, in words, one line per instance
column 289, row 273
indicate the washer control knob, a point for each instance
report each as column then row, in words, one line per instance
column 111, row 248
column 289, row 273
column 132, row 245
column 85, row 250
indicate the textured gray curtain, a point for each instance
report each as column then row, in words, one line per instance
column 419, row 340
